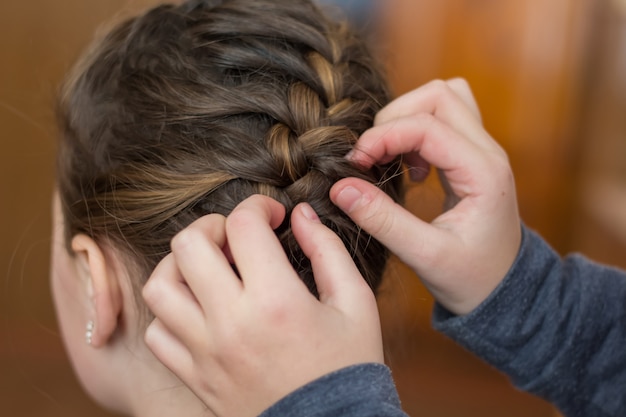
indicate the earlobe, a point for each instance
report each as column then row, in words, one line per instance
column 102, row 288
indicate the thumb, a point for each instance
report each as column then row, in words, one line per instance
column 413, row 240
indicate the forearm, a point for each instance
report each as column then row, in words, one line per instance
column 556, row 327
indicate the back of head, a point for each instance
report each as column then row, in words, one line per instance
column 187, row 110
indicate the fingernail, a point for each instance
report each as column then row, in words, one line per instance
column 349, row 199
column 349, row 155
column 309, row 213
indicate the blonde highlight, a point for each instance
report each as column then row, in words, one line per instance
column 187, row 110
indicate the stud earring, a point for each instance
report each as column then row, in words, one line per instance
column 89, row 331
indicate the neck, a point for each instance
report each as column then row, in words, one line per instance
column 158, row 393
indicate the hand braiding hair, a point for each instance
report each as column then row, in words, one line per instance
column 190, row 109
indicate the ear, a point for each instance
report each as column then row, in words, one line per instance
column 103, row 287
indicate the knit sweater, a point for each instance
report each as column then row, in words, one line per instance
column 556, row 327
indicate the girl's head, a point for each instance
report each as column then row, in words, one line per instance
column 188, row 110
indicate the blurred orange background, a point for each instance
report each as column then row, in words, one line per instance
column 549, row 76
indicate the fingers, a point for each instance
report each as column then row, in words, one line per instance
column 257, row 252
column 194, row 279
column 201, row 260
column 197, row 279
column 256, row 348
column 451, row 103
column 426, row 137
column 338, row 280
column 410, row 238
column 168, row 349
column 463, row 90
column 168, row 297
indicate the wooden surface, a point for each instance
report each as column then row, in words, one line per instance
column 529, row 64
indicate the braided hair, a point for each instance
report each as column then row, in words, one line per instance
column 190, row 109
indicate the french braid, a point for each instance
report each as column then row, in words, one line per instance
column 190, row 109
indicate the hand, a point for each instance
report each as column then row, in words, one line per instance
column 465, row 252
column 243, row 344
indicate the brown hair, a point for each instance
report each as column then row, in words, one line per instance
column 188, row 110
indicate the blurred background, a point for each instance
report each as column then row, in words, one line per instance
column 549, row 76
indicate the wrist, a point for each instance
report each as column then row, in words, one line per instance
column 355, row 390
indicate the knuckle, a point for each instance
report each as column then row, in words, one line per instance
column 208, row 227
column 324, row 241
column 274, row 310
column 443, row 90
column 148, row 293
column 241, row 218
column 382, row 223
column 186, row 238
column 151, row 292
column 225, row 342
column 155, row 297
column 460, row 83
column 428, row 122
column 438, row 85
column 325, row 251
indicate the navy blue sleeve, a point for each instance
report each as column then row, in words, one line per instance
column 365, row 390
column 556, row 327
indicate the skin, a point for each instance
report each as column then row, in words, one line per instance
column 204, row 308
column 242, row 346
column 117, row 369
column 464, row 253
